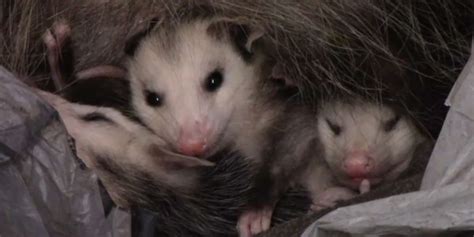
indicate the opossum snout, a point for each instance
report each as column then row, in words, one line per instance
column 192, row 147
column 193, row 139
column 358, row 164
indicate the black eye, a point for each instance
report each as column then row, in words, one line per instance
column 213, row 81
column 336, row 129
column 153, row 99
column 390, row 124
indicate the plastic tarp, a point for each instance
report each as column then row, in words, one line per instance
column 446, row 199
column 44, row 189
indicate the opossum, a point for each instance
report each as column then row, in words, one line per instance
column 103, row 134
column 139, row 172
column 363, row 144
column 203, row 85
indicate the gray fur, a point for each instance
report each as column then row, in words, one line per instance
column 322, row 45
column 186, row 197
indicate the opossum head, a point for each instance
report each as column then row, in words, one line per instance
column 105, row 138
column 365, row 140
column 189, row 81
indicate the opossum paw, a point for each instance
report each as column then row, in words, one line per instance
column 49, row 40
column 61, row 31
column 54, row 39
column 330, row 197
column 55, row 36
column 253, row 222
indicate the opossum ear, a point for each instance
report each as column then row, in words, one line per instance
column 133, row 42
column 245, row 38
column 174, row 161
column 278, row 75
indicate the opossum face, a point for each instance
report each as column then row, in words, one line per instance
column 187, row 87
column 366, row 141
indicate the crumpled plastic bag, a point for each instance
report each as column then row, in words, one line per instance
column 45, row 190
column 446, row 199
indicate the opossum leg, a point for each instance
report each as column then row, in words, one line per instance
column 53, row 59
column 268, row 185
column 331, row 196
column 283, row 162
column 54, row 39
column 266, row 189
column 253, row 222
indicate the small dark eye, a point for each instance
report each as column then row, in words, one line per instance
column 390, row 124
column 336, row 129
column 213, row 81
column 153, row 99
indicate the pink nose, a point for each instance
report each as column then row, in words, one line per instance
column 193, row 138
column 192, row 147
column 358, row 164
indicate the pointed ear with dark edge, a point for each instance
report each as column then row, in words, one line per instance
column 133, row 42
column 245, row 38
column 278, row 75
column 174, row 161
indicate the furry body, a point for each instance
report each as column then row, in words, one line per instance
column 170, row 70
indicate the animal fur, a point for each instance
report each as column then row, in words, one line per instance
column 187, row 197
column 335, row 46
column 322, row 45
column 376, row 139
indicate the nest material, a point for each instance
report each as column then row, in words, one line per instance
column 409, row 51
column 318, row 41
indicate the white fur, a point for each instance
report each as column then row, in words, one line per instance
column 179, row 73
column 127, row 143
column 362, row 126
column 233, row 113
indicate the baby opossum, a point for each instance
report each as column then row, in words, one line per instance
column 201, row 85
column 105, row 135
column 211, row 196
column 363, row 144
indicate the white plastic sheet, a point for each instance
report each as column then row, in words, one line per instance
column 44, row 192
column 446, row 199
